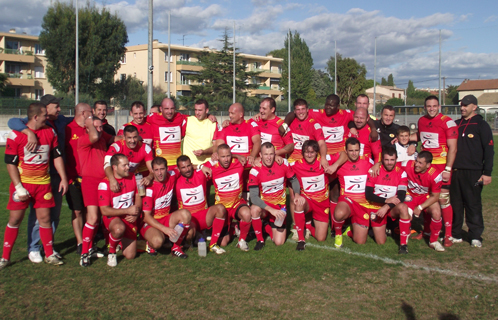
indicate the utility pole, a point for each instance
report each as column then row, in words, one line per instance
column 289, row 67
column 169, row 55
column 439, row 64
column 150, row 86
column 234, row 83
column 375, row 73
column 335, row 66
column 444, row 91
column 77, row 66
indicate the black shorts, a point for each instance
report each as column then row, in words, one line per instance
column 74, row 197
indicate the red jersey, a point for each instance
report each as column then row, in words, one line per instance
column 33, row 166
column 313, row 179
column 122, row 199
column 353, row 180
column 227, row 182
column 271, row 182
column 335, row 128
column 191, row 192
column 269, row 133
column 73, row 133
column 239, row 137
column 434, row 133
column 92, row 156
column 422, row 184
column 168, row 136
column 144, row 131
column 387, row 183
column 301, row 131
column 158, row 196
column 137, row 157
column 368, row 149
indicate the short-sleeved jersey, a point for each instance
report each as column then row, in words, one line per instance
column 434, row 134
column 33, row 166
column 158, row 196
column 302, row 131
column 239, row 137
column 168, row 136
column 387, row 183
column 137, row 157
column 122, row 199
column 335, row 128
column 271, row 182
column 403, row 156
column 199, row 136
column 353, row 179
column 73, row 133
column 422, row 184
column 313, row 179
column 191, row 192
column 227, row 182
column 269, row 133
column 144, row 131
column 92, row 156
column 368, row 149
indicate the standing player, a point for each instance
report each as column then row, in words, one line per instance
column 368, row 148
column 121, row 209
column 100, row 111
column 28, row 171
column 191, row 194
column 386, row 128
column 159, row 222
column 137, row 112
column 269, row 125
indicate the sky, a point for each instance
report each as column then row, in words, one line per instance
column 407, row 32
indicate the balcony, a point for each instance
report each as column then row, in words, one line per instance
column 19, row 79
column 16, row 55
column 267, row 73
column 188, row 65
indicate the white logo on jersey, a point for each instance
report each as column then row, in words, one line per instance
column 385, row 191
column 192, row 196
column 317, row 126
column 362, row 149
column 355, row 184
column 313, row 184
column 254, row 172
column 430, row 140
column 228, row 183
column 416, row 188
column 299, row 140
column 164, row 201
column 148, row 193
column 265, row 137
column 238, row 144
column 333, row 134
column 102, row 186
column 273, row 185
column 451, row 124
column 38, row 156
column 170, row 134
column 123, row 201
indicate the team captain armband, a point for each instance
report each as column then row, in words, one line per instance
column 56, row 152
column 11, row 159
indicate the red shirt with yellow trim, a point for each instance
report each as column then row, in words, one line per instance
column 227, row 182
column 335, row 128
column 423, row 184
column 158, row 196
column 368, row 149
column 239, row 136
column 386, row 184
column 191, row 192
column 434, row 134
column 123, row 199
column 302, row 131
column 92, row 155
column 144, row 131
column 168, row 136
column 137, row 157
column 269, row 132
column 73, row 133
column 353, row 179
column 33, row 166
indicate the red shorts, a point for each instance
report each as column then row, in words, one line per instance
column 232, row 212
column 379, row 222
column 359, row 214
column 41, row 197
column 440, row 167
column 130, row 228
column 145, row 226
column 413, row 201
column 320, row 210
column 199, row 218
column 90, row 190
column 271, row 218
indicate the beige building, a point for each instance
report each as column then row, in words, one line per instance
column 23, row 60
column 384, row 93
column 486, row 91
column 183, row 61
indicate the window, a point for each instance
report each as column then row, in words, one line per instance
column 122, row 77
column 134, row 74
column 17, row 92
column 123, row 59
column 39, row 72
column 39, row 49
column 134, row 55
column 12, row 68
column 394, row 96
column 166, row 57
column 184, row 57
column 399, row 95
column 184, row 80
column 12, row 45
column 166, row 77
column 38, row 94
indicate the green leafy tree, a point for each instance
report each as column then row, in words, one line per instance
column 321, row 83
column 452, row 95
column 350, row 78
column 390, row 80
column 410, row 90
column 3, row 83
column 102, row 39
column 278, row 53
column 383, row 82
column 369, row 83
column 395, row 102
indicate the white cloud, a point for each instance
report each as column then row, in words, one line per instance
column 23, row 15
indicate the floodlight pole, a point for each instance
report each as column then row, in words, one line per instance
column 77, row 64
column 375, row 74
column 289, row 74
column 150, row 86
column 169, row 54
column 440, row 65
column 335, row 67
column 234, row 83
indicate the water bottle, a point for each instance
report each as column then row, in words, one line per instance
column 373, row 216
column 179, row 230
column 141, row 189
column 280, row 221
column 201, row 246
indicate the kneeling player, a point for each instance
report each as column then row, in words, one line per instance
column 191, row 191
column 158, row 221
column 121, row 209
column 386, row 192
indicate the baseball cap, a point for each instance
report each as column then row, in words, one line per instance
column 48, row 99
column 469, row 99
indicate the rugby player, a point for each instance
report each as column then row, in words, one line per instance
column 137, row 112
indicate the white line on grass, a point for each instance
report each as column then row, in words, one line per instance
column 406, row 264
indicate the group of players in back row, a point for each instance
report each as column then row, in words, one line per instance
column 331, row 159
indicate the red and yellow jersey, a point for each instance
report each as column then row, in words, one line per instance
column 302, row 131
column 423, row 184
column 158, row 196
column 353, row 179
column 168, row 136
column 191, row 192
column 91, row 156
column 144, row 131
column 269, row 133
column 368, row 149
column 33, row 166
column 227, row 182
column 434, row 134
column 239, row 137
column 73, row 133
column 122, row 199
column 313, row 179
column 271, row 182
column 335, row 128
column 387, row 183
column 137, row 157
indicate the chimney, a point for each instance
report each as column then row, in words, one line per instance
column 13, row 30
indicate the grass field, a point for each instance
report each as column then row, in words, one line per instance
column 355, row 282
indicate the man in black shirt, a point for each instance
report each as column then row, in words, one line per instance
column 471, row 171
column 386, row 127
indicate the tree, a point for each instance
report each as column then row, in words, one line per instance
column 278, row 53
column 410, row 90
column 383, row 82
column 351, row 79
column 395, row 102
column 102, row 39
column 301, row 66
column 369, row 83
column 321, row 83
column 3, row 83
column 390, row 80
column 452, row 95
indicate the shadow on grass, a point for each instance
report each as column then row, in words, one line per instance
column 409, row 312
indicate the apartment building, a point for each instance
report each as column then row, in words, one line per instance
column 183, row 62
column 23, row 60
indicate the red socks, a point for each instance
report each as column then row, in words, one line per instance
column 113, row 243
column 9, row 239
column 448, row 219
column 88, row 232
column 404, row 231
column 218, row 224
column 47, row 239
column 337, row 226
column 311, row 228
column 436, row 226
column 177, row 244
column 244, row 229
column 269, row 230
column 257, row 226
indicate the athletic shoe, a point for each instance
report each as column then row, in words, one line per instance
column 53, row 260
column 85, row 260
column 420, row 236
column 455, row 240
column 447, row 242
column 295, row 236
column 301, row 245
column 112, row 260
column 4, row 263
column 259, row 245
column 35, row 257
column 476, row 243
column 436, row 245
column 57, row 255
column 403, row 249
column 338, row 241
column 79, row 248
column 216, row 249
column 150, row 250
column 347, row 232
column 242, row 245
column 95, row 252
column 179, row 253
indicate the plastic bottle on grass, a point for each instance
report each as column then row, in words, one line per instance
column 179, row 230
column 201, row 246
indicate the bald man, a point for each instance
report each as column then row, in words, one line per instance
column 368, row 149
